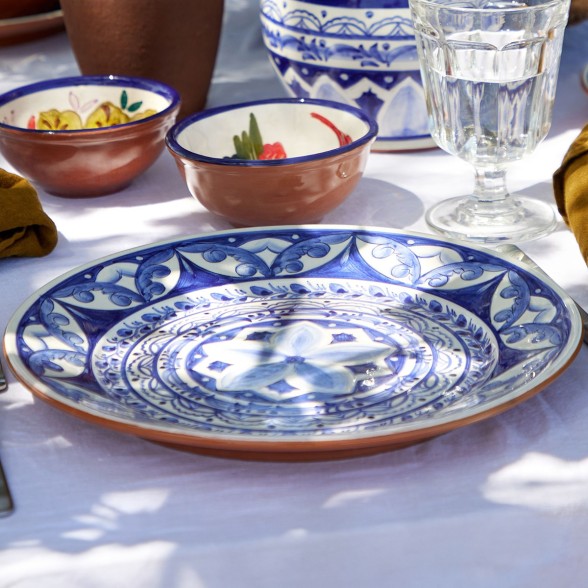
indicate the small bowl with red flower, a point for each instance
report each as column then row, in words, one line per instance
column 273, row 162
column 86, row 136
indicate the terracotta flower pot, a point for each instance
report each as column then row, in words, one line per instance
column 173, row 42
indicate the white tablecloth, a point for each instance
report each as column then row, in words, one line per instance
column 502, row 503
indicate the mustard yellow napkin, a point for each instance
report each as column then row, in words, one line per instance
column 25, row 229
column 570, row 184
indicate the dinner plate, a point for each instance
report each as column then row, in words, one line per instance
column 293, row 343
column 28, row 28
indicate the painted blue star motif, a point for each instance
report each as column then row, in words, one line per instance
column 301, row 354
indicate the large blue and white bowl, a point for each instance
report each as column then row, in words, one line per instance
column 358, row 52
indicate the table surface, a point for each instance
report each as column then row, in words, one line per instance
column 503, row 502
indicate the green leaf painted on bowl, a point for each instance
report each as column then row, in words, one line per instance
column 249, row 145
column 124, row 102
column 255, row 135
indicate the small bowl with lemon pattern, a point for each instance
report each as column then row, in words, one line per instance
column 86, row 136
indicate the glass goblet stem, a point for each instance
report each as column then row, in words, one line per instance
column 490, row 184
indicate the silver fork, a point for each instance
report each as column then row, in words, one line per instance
column 3, row 383
column 6, row 503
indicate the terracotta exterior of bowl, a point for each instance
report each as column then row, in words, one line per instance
column 298, row 193
column 172, row 42
column 85, row 164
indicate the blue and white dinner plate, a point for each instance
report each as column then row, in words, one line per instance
column 293, row 343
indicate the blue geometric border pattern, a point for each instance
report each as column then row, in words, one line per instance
column 365, row 24
column 373, row 54
column 292, row 332
column 394, row 99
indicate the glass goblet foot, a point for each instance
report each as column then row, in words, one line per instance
column 514, row 219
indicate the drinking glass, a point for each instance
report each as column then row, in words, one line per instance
column 489, row 70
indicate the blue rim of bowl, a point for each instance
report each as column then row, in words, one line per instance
column 154, row 86
column 175, row 147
